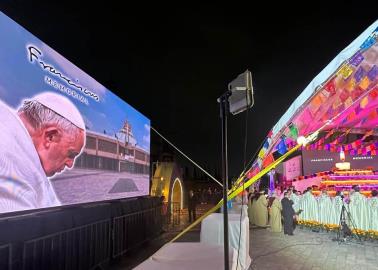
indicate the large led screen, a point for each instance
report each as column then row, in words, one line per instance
column 64, row 138
column 320, row 160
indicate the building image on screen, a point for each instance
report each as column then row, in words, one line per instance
column 64, row 138
column 115, row 158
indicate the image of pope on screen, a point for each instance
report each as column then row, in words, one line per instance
column 38, row 141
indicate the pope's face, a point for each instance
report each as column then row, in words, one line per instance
column 59, row 149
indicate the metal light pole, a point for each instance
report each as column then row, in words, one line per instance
column 237, row 99
column 223, row 101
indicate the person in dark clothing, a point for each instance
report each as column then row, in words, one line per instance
column 192, row 202
column 288, row 213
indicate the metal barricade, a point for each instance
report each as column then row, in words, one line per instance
column 176, row 211
column 148, row 224
column 5, row 257
column 172, row 216
column 82, row 247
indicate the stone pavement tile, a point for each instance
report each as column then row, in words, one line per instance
column 329, row 266
column 307, row 252
column 265, row 265
column 340, row 257
column 371, row 264
column 296, row 266
column 330, row 262
column 302, row 261
column 371, row 259
column 350, row 261
column 301, row 252
column 327, row 257
column 358, row 266
column 341, row 264
column 287, row 253
column 306, row 267
column 322, row 256
column 370, row 253
column 317, row 263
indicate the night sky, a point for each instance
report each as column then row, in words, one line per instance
column 173, row 64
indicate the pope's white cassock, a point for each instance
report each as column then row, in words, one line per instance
column 23, row 182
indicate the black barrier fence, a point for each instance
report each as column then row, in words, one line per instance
column 124, row 227
column 5, row 256
column 79, row 248
column 78, row 238
column 171, row 216
column 176, row 213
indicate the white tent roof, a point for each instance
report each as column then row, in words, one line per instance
column 321, row 78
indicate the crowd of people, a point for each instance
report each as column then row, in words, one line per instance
column 281, row 211
column 264, row 211
column 291, row 206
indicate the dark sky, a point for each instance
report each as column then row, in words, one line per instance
column 172, row 64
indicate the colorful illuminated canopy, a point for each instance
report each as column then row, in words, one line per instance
column 341, row 99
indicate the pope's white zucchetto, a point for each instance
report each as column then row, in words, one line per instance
column 62, row 106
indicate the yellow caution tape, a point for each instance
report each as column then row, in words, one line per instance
column 236, row 191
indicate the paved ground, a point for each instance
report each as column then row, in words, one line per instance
column 309, row 250
column 306, row 250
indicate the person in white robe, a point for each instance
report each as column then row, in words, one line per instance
column 309, row 205
column 337, row 203
column 253, row 211
column 296, row 200
column 261, row 214
column 358, row 210
column 40, row 140
column 325, row 208
column 275, row 219
column 373, row 211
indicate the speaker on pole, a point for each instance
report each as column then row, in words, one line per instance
column 238, row 98
column 241, row 97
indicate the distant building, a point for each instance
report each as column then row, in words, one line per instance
column 119, row 152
